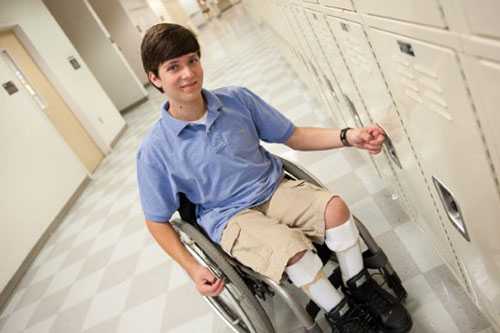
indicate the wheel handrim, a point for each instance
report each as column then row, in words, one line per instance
column 227, row 304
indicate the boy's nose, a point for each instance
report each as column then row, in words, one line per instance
column 187, row 72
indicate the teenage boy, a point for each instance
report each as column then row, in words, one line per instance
column 207, row 146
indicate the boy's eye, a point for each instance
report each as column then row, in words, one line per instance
column 194, row 60
column 172, row 67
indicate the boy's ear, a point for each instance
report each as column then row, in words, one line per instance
column 156, row 81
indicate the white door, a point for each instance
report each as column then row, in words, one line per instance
column 39, row 171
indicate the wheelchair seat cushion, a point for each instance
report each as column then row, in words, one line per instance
column 265, row 237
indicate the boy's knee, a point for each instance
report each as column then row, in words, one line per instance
column 336, row 212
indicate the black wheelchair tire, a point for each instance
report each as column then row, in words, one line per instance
column 252, row 308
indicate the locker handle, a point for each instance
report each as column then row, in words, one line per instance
column 392, row 151
column 452, row 208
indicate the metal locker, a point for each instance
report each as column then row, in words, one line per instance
column 337, row 74
column 330, row 82
column 313, row 62
column 427, row 83
column 344, row 4
column 366, row 74
column 375, row 102
column 482, row 19
column 483, row 76
column 352, row 109
column 484, row 81
column 426, row 12
column 295, row 27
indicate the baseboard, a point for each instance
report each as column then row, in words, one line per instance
column 133, row 105
column 119, row 135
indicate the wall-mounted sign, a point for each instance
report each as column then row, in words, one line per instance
column 10, row 87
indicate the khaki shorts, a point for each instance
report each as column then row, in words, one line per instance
column 265, row 237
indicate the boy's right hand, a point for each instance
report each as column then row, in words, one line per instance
column 206, row 282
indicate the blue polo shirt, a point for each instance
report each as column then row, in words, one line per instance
column 220, row 165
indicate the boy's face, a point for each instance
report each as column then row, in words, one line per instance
column 180, row 78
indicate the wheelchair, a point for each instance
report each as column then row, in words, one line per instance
column 238, row 305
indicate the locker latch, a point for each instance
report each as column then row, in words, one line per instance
column 452, row 208
column 406, row 48
column 10, row 87
column 74, row 63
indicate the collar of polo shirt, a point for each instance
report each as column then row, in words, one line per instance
column 213, row 106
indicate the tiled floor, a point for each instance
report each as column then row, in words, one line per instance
column 101, row 272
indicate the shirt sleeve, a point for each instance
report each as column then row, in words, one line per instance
column 272, row 126
column 159, row 199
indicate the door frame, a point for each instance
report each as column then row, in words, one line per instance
column 25, row 41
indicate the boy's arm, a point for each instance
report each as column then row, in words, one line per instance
column 310, row 138
column 206, row 283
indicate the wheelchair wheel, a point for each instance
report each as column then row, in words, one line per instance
column 236, row 305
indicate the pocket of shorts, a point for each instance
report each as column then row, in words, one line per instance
column 252, row 252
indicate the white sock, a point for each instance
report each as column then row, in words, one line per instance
column 307, row 274
column 344, row 241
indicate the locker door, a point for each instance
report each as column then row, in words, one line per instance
column 426, row 12
column 330, row 86
column 337, row 67
column 312, row 61
column 338, row 79
column 36, row 164
column 482, row 19
column 57, row 110
column 441, row 125
column 484, row 81
column 302, row 48
column 363, row 69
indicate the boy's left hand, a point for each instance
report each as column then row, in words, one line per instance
column 369, row 138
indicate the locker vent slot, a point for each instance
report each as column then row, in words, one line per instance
column 451, row 207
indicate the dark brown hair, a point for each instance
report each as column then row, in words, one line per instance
column 165, row 41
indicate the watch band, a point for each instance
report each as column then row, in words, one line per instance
column 343, row 137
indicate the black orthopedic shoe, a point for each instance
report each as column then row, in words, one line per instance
column 391, row 315
column 348, row 317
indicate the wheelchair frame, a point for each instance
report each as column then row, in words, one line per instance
column 222, row 265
